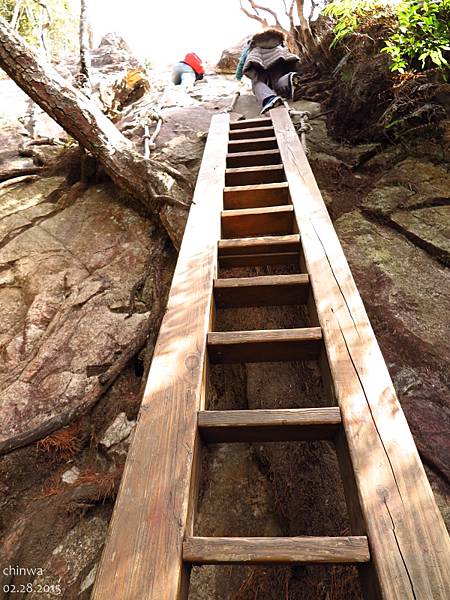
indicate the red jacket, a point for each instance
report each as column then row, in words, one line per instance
column 194, row 62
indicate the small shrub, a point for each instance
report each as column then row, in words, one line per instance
column 417, row 32
column 422, row 37
column 350, row 14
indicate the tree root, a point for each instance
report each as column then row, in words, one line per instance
column 15, row 173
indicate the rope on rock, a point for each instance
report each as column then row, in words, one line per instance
column 236, row 95
column 149, row 140
column 300, row 120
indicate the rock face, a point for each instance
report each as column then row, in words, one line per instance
column 406, row 294
column 230, row 58
column 414, row 197
column 71, row 559
column 113, row 54
column 67, row 272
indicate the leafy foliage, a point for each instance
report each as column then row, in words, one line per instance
column 61, row 28
column 417, row 38
column 350, row 14
column 422, row 38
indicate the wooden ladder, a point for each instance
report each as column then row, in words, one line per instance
column 257, row 203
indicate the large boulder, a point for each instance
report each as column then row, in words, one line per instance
column 414, row 198
column 230, row 58
column 406, row 293
column 67, row 271
column 113, row 54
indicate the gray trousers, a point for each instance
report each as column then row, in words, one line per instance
column 273, row 82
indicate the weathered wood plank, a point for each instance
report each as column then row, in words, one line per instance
column 270, row 220
column 281, row 243
column 269, row 551
column 256, row 196
column 274, row 290
column 266, row 345
column 251, row 133
column 254, row 175
column 275, row 250
column 269, row 425
column 142, row 558
column 409, row 544
column 247, row 123
column 252, row 159
column 262, row 143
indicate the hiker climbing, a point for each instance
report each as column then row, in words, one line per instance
column 188, row 71
column 273, row 69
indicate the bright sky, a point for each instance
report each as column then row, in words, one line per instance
column 164, row 30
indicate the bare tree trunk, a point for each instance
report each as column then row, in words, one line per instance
column 306, row 40
column 85, row 59
column 84, row 121
column 307, row 37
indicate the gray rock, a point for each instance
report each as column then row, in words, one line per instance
column 414, row 196
column 63, row 270
column 407, row 296
column 229, row 58
column 118, row 431
column 71, row 475
column 70, row 559
column 429, row 226
column 88, row 581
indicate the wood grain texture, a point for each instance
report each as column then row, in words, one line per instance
column 409, row 544
column 253, row 245
column 269, row 250
column 254, row 196
column 270, row 220
column 142, row 558
column 247, row 123
column 251, row 133
column 269, row 551
column 275, row 290
column 265, row 425
column 251, row 159
column 267, row 345
column 262, row 143
column 254, row 175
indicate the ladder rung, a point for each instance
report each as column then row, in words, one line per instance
column 251, row 159
column 263, row 143
column 270, row 220
column 273, row 290
column 254, row 175
column 275, row 250
column 254, row 245
column 256, row 196
column 246, row 123
column 251, row 133
column 269, row 425
column 265, row 550
column 266, row 345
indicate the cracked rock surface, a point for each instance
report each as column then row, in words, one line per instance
column 66, row 273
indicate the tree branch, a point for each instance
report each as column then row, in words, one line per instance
column 256, row 16
column 83, row 120
column 257, row 7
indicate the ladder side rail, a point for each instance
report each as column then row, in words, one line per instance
column 142, row 558
column 408, row 540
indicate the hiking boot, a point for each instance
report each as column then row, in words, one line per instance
column 295, row 81
column 271, row 103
